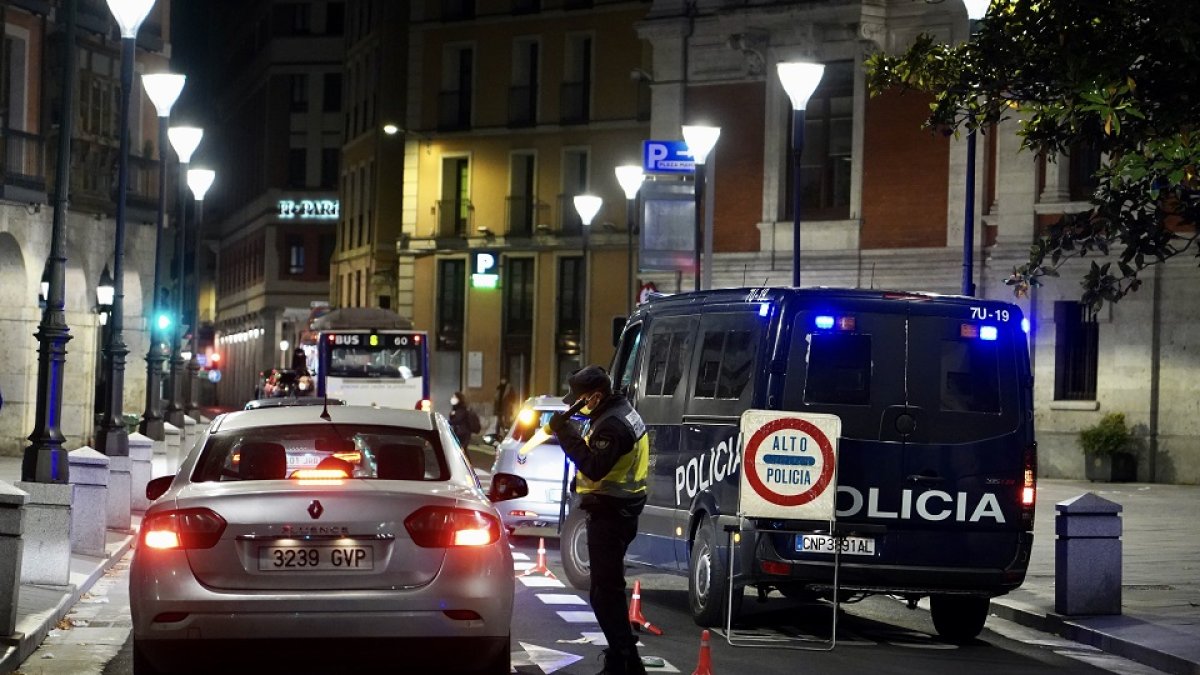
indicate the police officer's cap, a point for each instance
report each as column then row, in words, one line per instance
column 585, row 381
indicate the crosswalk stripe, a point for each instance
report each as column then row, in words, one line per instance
column 541, row 582
column 577, row 617
column 561, row 599
column 520, row 556
column 521, row 566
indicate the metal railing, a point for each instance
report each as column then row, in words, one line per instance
column 24, row 159
column 454, row 217
column 522, row 105
column 569, row 222
column 520, row 212
column 574, row 102
column 454, row 110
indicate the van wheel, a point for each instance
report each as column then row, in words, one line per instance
column 708, row 580
column 958, row 618
column 574, row 550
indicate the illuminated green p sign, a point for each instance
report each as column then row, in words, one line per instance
column 485, row 269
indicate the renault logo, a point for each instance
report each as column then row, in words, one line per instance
column 315, row 509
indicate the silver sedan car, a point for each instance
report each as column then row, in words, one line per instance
column 352, row 534
column 542, row 467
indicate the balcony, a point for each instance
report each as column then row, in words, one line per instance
column 453, row 217
column 569, row 222
column 94, row 179
column 24, row 165
column 454, row 110
column 458, row 10
column 521, row 212
column 574, row 102
column 522, row 106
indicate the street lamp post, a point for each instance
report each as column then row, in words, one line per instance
column 163, row 90
column 44, row 460
column 700, row 141
column 184, row 140
column 113, row 439
column 104, row 298
column 976, row 10
column 630, row 176
column 199, row 181
column 800, row 80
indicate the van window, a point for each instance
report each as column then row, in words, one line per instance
column 627, row 359
column 970, row 377
column 669, row 350
column 839, row 369
column 725, row 360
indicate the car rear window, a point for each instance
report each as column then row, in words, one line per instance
column 839, row 369
column 278, row 452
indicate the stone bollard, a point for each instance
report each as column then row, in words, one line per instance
column 119, row 493
column 141, row 451
column 46, row 556
column 174, row 439
column 89, row 512
column 1087, row 556
column 191, row 434
column 12, row 514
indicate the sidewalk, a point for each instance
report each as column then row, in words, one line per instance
column 40, row 608
column 1160, row 626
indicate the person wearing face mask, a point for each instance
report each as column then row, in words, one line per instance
column 460, row 419
column 612, row 463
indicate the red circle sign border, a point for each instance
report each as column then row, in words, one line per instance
column 827, row 458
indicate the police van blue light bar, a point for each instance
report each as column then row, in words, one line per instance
column 824, row 322
column 988, row 333
column 764, row 309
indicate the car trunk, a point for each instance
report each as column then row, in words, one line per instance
column 287, row 535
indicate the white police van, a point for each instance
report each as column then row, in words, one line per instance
column 937, row 459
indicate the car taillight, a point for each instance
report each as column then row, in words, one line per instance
column 425, row 405
column 1029, row 486
column 443, row 527
column 185, row 528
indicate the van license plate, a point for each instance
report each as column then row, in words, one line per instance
column 820, row 543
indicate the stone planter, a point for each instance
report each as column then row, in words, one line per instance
column 1118, row 468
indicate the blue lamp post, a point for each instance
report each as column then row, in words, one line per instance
column 800, row 80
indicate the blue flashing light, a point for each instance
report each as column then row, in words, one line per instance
column 764, row 309
column 824, row 322
column 1025, row 325
column 988, row 333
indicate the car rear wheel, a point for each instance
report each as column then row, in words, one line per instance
column 708, row 580
column 142, row 665
column 573, row 546
column 958, row 618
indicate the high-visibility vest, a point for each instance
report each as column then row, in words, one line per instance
column 627, row 478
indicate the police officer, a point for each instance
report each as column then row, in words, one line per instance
column 612, row 463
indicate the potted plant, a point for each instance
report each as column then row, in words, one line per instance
column 1107, row 450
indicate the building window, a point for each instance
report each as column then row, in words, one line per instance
column 331, row 97
column 325, row 254
column 295, row 246
column 298, row 87
column 451, row 298
column 455, row 205
column 335, row 18
column 828, row 128
column 297, row 167
column 518, row 296
column 526, row 6
column 576, row 93
column 522, row 95
column 358, row 288
column 454, row 100
column 521, row 197
column 292, row 19
column 1083, row 163
column 1076, row 352
column 329, row 167
column 574, row 182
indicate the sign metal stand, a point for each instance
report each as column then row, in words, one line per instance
column 788, row 461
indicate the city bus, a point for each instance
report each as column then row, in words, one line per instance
column 382, row 366
column 937, row 466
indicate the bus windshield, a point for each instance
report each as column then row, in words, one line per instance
column 375, row 362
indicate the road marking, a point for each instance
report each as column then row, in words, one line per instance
column 577, row 617
column 549, row 660
column 521, row 566
column 541, row 582
column 520, row 556
column 561, row 599
column 666, row 667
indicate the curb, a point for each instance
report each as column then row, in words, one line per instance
column 23, row 645
column 1106, row 641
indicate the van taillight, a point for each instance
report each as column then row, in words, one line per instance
column 185, row 528
column 1029, row 486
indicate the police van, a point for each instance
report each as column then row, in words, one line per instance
column 937, row 458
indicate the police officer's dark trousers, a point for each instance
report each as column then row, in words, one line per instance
column 609, row 533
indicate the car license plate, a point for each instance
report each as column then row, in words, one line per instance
column 315, row 558
column 821, row 543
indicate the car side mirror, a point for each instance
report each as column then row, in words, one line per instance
column 491, row 439
column 158, row 487
column 506, row 486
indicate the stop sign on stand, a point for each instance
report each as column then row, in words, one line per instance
column 789, row 465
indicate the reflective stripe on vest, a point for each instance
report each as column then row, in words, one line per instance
column 627, row 478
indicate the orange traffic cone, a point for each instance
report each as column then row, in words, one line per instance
column 540, row 567
column 704, row 667
column 636, row 618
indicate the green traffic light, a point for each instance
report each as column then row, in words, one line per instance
column 164, row 321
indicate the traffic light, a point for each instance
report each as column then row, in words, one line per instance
column 162, row 320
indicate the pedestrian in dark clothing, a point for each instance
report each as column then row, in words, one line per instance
column 503, row 406
column 460, row 419
column 612, row 464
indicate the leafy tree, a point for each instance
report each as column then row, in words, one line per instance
column 1119, row 76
